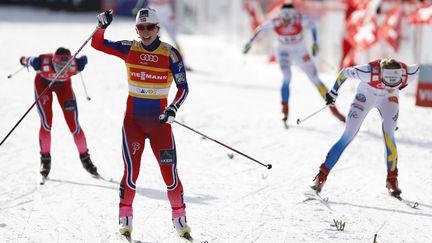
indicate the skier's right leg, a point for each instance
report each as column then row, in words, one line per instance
column 44, row 107
column 132, row 147
column 356, row 115
column 285, row 67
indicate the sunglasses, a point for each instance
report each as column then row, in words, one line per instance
column 149, row 27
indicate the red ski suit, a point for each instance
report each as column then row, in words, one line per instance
column 43, row 64
column 151, row 70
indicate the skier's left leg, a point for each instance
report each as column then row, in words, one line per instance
column 308, row 66
column 164, row 149
column 163, row 146
column 67, row 101
column 389, row 110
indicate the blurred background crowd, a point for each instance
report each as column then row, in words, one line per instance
column 349, row 31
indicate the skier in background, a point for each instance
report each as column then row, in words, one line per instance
column 380, row 82
column 166, row 10
column 167, row 17
column 151, row 66
column 47, row 67
column 289, row 29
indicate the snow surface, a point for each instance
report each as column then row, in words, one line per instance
column 234, row 99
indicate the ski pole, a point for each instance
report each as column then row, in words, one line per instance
column 85, row 89
column 311, row 115
column 17, row 71
column 268, row 166
column 138, row 6
column 49, row 86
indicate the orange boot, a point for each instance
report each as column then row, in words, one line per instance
column 337, row 114
column 320, row 178
column 392, row 183
column 285, row 111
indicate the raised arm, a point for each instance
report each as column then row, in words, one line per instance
column 115, row 48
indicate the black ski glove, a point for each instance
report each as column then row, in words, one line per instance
column 168, row 115
column 104, row 19
column 24, row 61
column 331, row 98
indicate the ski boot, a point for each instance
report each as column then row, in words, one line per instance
column 285, row 113
column 337, row 114
column 88, row 164
column 45, row 166
column 125, row 227
column 392, row 183
column 320, row 178
column 183, row 230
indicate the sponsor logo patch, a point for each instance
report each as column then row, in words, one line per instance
column 144, row 13
column 70, row 105
column 180, row 77
column 357, row 106
column 126, row 43
column 135, row 147
column 361, row 98
column 166, row 156
column 145, row 76
column 393, row 99
column 353, row 114
column 148, row 57
column 121, row 192
column 395, row 118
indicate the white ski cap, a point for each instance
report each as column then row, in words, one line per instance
column 146, row 16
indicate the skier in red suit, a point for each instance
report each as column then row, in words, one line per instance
column 47, row 67
column 151, row 66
